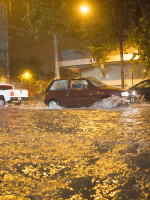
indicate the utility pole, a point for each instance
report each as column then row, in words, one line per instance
column 122, row 63
column 121, row 53
column 57, row 73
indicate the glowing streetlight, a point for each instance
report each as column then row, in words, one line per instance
column 26, row 75
column 84, row 9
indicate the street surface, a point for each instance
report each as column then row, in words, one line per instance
column 74, row 153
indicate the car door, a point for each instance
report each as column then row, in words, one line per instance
column 80, row 93
column 58, row 91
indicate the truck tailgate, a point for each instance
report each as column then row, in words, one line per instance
column 19, row 93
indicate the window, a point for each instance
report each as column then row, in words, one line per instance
column 6, row 87
column 79, row 84
column 60, row 85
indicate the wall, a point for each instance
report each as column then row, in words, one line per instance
column 112, row 74
column 91, row 72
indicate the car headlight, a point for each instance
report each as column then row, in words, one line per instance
column 133, row 93
column 124, row 94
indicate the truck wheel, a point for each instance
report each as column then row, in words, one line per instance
column 2, row 102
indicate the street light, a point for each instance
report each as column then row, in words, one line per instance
column 26, row 75
column 84, row 9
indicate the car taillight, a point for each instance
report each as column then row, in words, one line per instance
column 12, row 93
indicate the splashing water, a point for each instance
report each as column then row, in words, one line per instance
column 54, row 107
column 107, row 103
column 111, row 102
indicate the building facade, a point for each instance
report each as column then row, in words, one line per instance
column 4, row 64
column 109, row 72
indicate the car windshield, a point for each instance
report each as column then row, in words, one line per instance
column 143, row 85
column 97, row 83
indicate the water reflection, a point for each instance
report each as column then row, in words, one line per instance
column 75, row 154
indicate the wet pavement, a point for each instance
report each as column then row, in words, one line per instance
column 74, row 153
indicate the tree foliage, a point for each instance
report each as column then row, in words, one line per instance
column 140, row 38
column 50, row 15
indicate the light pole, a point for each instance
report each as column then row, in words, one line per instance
column 83, row 9
column 57, row 72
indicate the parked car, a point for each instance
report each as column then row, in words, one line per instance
column 81, row 92
column 9, row 94
column 143, row 90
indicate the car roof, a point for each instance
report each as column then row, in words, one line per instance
column 78, row 78
column 70, row 79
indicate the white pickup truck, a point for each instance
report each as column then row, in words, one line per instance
column 8, row 94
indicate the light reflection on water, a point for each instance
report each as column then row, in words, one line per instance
column 75, row 153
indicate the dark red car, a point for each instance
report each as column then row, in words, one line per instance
column 81, row 92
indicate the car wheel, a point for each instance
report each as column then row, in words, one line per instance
column 52, row 103
column 2, row 102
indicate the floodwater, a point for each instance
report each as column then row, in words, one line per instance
column 93, row 153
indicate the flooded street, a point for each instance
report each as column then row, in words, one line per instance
column 74, row 153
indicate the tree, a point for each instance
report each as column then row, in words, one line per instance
column 140, row 35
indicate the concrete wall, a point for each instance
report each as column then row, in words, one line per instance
column 112, row 74
column 91, row 72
